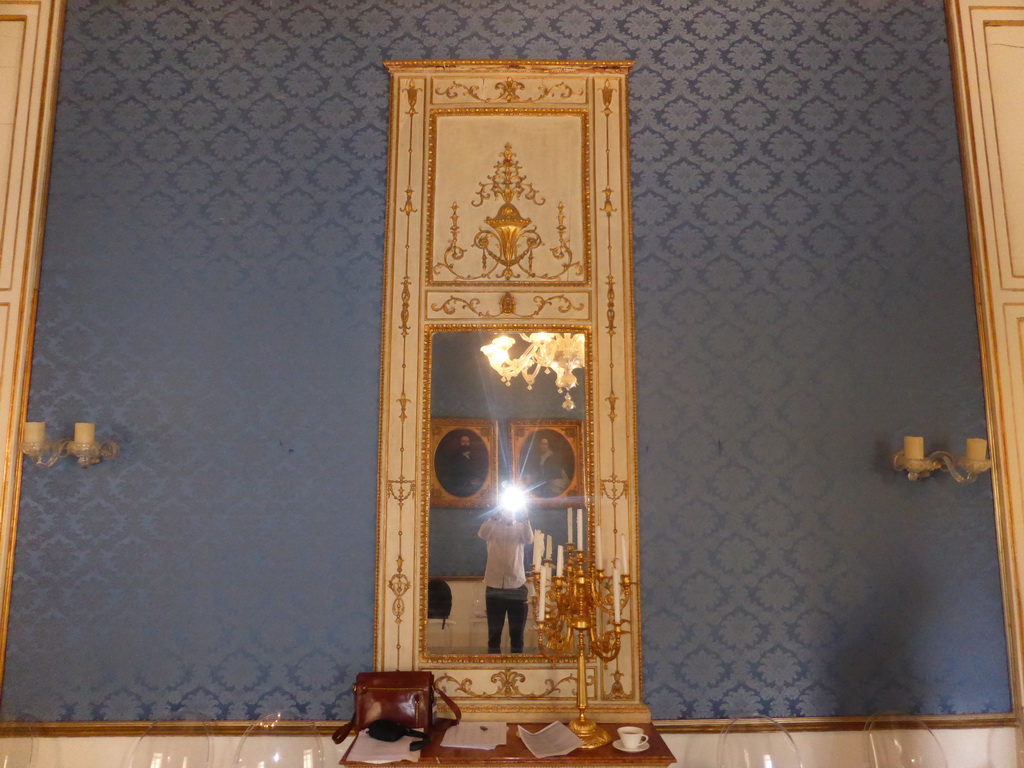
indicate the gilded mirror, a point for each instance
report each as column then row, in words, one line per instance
column 508, row 229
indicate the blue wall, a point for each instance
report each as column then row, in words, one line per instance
column 210, row 296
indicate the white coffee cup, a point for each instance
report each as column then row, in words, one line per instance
column 632, row 737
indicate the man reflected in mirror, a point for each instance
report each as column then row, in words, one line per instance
column 462, row 471
column 506, row 532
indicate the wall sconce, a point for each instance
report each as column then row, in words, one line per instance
column 913, row 461
column 83, row 445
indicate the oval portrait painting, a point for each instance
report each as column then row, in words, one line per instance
column 461, row 462
column 547, row 463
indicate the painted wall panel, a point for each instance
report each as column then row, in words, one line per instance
column 1006, row 61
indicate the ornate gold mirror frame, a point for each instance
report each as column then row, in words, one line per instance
column 508, row 211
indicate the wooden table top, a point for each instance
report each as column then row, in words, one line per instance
column 514, row 752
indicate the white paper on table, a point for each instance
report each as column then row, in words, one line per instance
column 475, row 735
column 370, row 750
column 551, row 740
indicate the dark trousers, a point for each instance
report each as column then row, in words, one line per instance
column 501, row 603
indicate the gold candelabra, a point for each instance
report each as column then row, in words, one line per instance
column 581, row 607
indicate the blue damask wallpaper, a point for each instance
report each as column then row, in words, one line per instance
column 210, row 296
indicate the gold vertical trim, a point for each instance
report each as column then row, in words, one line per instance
column 966, row 19
column 49, row 29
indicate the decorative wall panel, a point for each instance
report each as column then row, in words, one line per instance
column 511, row 177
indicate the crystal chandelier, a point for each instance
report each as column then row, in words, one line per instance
column 561, row 353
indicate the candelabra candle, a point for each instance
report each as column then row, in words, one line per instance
column 579, row 614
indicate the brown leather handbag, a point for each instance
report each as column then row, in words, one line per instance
column 406, row 698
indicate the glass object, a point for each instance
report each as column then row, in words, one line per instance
column 757, row 741
column 275, row 740
column 902, row 741
column 17, row 744
column 177, row 744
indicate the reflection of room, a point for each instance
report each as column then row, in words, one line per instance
column 466, row 389
column 465, row 631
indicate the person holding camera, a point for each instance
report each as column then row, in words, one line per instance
column 506, row 534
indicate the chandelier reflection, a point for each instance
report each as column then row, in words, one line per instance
column 558, row 353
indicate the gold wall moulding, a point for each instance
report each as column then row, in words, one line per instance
column 556, row 305
column 96, row 728
column 502, row 67
column 507, row 682
column 508, row 91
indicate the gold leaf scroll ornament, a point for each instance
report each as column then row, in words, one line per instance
column 508, row 91
column 506, row 306
column 507, row 247
column 507, row 682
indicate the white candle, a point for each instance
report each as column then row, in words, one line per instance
column 35, row 431
column 538, row 550
column 568, row 525
column 542, row 593
column 616, row 595
column 85, row 432
column 913, row 447
column 558, row 568
column 622, row 553
column 976, row 448
column 579, row 529
column 598, row 557
column 549, row 550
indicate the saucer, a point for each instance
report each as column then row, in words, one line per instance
column 618, row 745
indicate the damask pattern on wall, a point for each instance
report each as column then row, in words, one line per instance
column 210, row 296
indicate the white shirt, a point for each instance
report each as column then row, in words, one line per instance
column 505, row 552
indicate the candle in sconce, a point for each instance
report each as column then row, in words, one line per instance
column 976, row 449
column 549, row 550
column 598, row 556
column 85, row 432
column 568, row 526
column 579, row 529
column 538, row 550
column 624, row 563
column 616, row 595
column 35, row 431
column 558, row 567
column 541, row 593
column 913, row 447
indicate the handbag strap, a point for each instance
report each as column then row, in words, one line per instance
column 446, row 723
column 343, row 730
